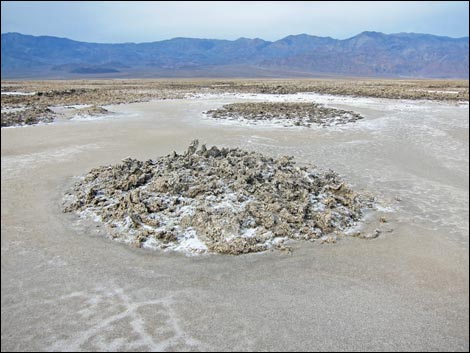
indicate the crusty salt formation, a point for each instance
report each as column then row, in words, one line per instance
column 27, row 116
column 223, row 200
column 284, row 113
column 92, row 111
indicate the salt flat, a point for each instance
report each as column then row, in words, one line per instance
column 66, row 287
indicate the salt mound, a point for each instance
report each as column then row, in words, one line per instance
column 224, row 200
column 90, row 112
column 287, row 114
column 93, row 110
column 27, row 116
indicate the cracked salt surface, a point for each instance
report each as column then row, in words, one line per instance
column 107, row 310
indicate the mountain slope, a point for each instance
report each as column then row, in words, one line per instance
column 366, row 54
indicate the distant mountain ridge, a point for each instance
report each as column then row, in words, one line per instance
column 371, row 54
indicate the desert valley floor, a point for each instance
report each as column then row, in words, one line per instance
column 66, row 286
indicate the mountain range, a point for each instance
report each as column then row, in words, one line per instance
column 368, row 54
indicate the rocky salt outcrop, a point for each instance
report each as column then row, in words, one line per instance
column 34, row 114
column 27, row 116
column 222, row 200
column 284, row 114
column 89, row 112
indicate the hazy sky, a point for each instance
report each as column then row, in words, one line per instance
column 140, row 21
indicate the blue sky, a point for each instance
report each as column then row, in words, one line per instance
column 139, row 21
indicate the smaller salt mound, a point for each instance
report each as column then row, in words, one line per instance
column 219, row 200
column 27, row 116
column 90, row 112
column 284, row 114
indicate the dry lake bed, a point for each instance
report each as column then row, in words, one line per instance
column 66, row 286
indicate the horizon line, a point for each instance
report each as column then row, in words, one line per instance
column 233, row 40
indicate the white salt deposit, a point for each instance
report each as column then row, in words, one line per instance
column 18, row 93
column 13, row 110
